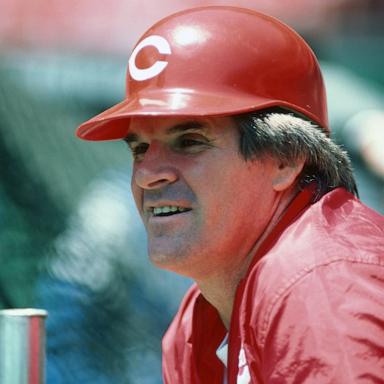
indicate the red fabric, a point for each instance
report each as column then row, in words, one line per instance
column 35, row 352
column 310, row 309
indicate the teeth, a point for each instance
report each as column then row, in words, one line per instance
column 167, row 209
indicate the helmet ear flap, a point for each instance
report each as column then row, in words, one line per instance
column 216, row 61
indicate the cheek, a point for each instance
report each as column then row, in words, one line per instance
column 241, row 197
column 221, row 197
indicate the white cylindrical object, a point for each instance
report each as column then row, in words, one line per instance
column 22, row 346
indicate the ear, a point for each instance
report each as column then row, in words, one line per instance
column 286, row 174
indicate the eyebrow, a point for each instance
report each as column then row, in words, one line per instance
column 131, row 137
column 187, row 126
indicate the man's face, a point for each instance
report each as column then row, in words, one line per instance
column 202, row 204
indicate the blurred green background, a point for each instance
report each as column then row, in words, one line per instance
column 70, row 238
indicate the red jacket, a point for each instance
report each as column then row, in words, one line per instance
column 310, row 309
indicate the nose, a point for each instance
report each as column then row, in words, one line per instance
column 156, row 169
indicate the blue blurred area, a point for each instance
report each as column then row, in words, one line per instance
column 71, row 240
column 108, row 307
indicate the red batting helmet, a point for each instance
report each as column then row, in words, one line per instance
column 215, row 61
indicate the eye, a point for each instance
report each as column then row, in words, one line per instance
column 191, row 142
column 138, row 150
column 185, row 142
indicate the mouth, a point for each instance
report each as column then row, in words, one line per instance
column 167, row 210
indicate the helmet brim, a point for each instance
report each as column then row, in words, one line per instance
column 113, row 124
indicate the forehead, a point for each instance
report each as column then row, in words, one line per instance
column 168, row 126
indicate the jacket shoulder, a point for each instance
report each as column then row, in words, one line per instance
column 322, row 279
column 336, row 232
column 313, row 304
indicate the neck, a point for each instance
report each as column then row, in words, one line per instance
column 220, row 289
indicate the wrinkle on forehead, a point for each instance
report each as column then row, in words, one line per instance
column 173, row 129
column 152, row 127
column 168, row 125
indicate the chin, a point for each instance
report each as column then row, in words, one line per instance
column 177, row 262
column 162, row 258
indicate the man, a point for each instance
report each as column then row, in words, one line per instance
column 240, row 188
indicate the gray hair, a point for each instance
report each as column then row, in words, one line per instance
column 286, row 137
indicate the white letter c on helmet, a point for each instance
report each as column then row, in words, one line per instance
column 161, row 45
